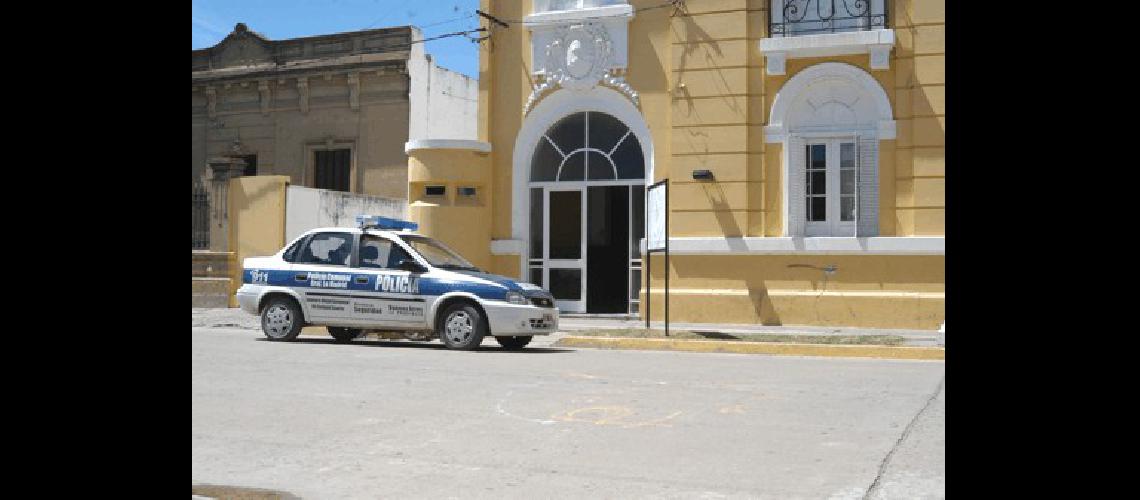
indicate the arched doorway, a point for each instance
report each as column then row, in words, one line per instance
column 587, row 188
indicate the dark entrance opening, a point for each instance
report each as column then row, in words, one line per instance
column 332, row 169
column 607, row 249
column 250, row 165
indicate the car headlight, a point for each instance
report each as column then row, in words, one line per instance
column 516, row 298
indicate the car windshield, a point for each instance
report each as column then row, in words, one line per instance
column 436, row 253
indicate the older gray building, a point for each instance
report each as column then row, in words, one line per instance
column 330, row 111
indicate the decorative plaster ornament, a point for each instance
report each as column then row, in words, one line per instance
column 579, row 56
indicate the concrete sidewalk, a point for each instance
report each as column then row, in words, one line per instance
column 570, row 323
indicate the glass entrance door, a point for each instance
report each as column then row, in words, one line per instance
column 587, row 183
column 564, row 248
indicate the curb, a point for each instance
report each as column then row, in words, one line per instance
column 745, row 347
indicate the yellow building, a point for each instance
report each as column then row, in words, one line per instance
column 820, row 122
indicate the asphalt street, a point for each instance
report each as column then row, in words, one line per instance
column 395, row 419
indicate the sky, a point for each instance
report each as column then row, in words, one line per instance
column 211, row 21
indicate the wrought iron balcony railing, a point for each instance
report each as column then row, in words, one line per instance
column 813, row 17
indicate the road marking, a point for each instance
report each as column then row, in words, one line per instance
column 733, row 409
column 581, row 375
column 505, row 413
column 612, row 415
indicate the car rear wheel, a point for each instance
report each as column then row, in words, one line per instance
column 514, row 343
column 462, row 327
column 281, row 319
column 343, row 335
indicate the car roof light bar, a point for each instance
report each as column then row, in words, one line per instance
column 378, row 222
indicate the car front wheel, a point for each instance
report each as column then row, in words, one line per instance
column 281, row 319
column 462, row 327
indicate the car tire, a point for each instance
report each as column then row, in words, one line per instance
column 343, row 335
column 462, row 327
column 281, row 319
column 514, row 343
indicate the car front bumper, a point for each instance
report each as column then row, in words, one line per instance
column 247, row 298
column 514, row 320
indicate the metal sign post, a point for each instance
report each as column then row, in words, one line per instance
column 657, row 239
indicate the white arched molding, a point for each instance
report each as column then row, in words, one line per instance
column 830, row 99
column 546, row 113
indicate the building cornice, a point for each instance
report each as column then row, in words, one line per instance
column 420, row 144
column 243, row 50
column 540, row 19
column 386, row 63
column 876, row 42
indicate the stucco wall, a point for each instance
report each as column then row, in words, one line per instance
column 919, row 63
column 419, row 71
column 309, row 208
column 444, row 104
column 878, row 291
column 361, row 96
column 462, row 222
column 706, row 98
column 453, row 101
column 284, row 138
column 257, row 220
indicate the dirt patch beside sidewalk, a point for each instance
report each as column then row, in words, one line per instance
column 643, row 333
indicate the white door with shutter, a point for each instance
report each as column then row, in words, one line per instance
column 829, row 196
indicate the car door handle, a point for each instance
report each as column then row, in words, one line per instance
column 363, row 280
column 301, row 277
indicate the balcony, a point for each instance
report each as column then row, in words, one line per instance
column 548, row 12
column 807, row 17
column 819, row 28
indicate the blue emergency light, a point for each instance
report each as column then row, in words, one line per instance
column 378, row 222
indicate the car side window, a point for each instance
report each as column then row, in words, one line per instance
column 397, row 255
column 291, row 254
column 332, row 249
column 380, row 253
column 374, row 252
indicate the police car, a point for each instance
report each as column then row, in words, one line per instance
column 384, row 277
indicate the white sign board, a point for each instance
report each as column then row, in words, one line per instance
column 655, row 217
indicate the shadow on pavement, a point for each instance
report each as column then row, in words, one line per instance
column 422, row 345
column 715, row 335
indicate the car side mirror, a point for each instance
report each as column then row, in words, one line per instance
column 410, row 265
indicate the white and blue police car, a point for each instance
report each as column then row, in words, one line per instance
column 384, row 277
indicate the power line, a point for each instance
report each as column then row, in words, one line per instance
column 468, row 16
column 438, row 37
column 387, row 15
column 457, row 33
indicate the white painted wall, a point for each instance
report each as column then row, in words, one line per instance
column 453, row 105
column 444, row 104
column 419, row 76
column 309, row 208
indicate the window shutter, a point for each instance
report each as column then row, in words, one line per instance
column 795, row 198
column 867, row 213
